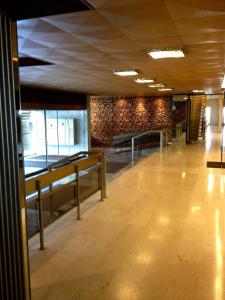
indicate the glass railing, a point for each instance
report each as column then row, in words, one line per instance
column 62, row 186
column 141, row 144
column 129, row 148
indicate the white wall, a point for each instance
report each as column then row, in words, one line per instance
column 214, row 108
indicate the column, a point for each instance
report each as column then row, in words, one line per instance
column 14, row 271
column 220, row 114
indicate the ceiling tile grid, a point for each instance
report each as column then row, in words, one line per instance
column 85, row 47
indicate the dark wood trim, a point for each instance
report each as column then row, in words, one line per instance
column 49, row 106
column 8, row 7
column 40, row 98
column 21, row 10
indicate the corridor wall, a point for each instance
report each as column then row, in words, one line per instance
column 116, row 115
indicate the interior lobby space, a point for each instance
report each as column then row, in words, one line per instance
column 158, row 235
column 112, row 150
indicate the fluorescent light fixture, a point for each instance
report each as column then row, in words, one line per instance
column 223, row 83
column 198, row 91
column 166, row 53
column 157, row 85
column 126, row 73
column 143, row 80
column 164, row 89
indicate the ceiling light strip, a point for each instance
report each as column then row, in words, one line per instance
column 126, row 72
column 157, row 85
column 165, row 89
column 198, row 91
column 223, row 83
column 166, row 53
column 143, row 80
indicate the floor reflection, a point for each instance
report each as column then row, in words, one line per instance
column 219, row 259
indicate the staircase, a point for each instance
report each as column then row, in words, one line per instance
column 196, row 117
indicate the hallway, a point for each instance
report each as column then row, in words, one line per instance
column 159, row 236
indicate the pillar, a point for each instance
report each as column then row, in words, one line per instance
column 14, row 271
column 220, row 114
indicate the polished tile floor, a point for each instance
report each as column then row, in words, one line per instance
column 160, row 235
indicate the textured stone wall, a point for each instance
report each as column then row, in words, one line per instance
column 113, row 115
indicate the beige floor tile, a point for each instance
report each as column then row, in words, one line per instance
column 159, row 236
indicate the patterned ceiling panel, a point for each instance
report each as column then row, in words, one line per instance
column 85, row 47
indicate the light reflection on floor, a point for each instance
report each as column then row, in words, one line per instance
column 219, row 259
column 158, row 236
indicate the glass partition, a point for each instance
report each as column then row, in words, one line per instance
column 72, row 132
column 34, row 140
column 54, row 206
column 51, row 135
column 52, row 193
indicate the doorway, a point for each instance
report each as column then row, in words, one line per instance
column 179, row 117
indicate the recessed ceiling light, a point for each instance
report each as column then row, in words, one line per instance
column 143, row 80
column 198, row 91
column 157, row 85
column 166, row 53
column 164, row 89
column 223, row 83
column 126, row 73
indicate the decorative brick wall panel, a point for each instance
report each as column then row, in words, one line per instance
column 113, row 116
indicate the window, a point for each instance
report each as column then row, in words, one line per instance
column 51, row 135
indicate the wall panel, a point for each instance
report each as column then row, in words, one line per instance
column 112, row 116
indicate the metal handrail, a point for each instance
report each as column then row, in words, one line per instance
column 61, row 161
column 151, row 131
column 37, row 184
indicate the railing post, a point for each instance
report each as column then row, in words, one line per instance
column 50, row 189
column 132, row 145
column 40, row 216
column 161, row 140
column 103, row 176
column 78, row 191
column 50, row 186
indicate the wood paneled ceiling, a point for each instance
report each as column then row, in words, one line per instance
column 85, row 47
